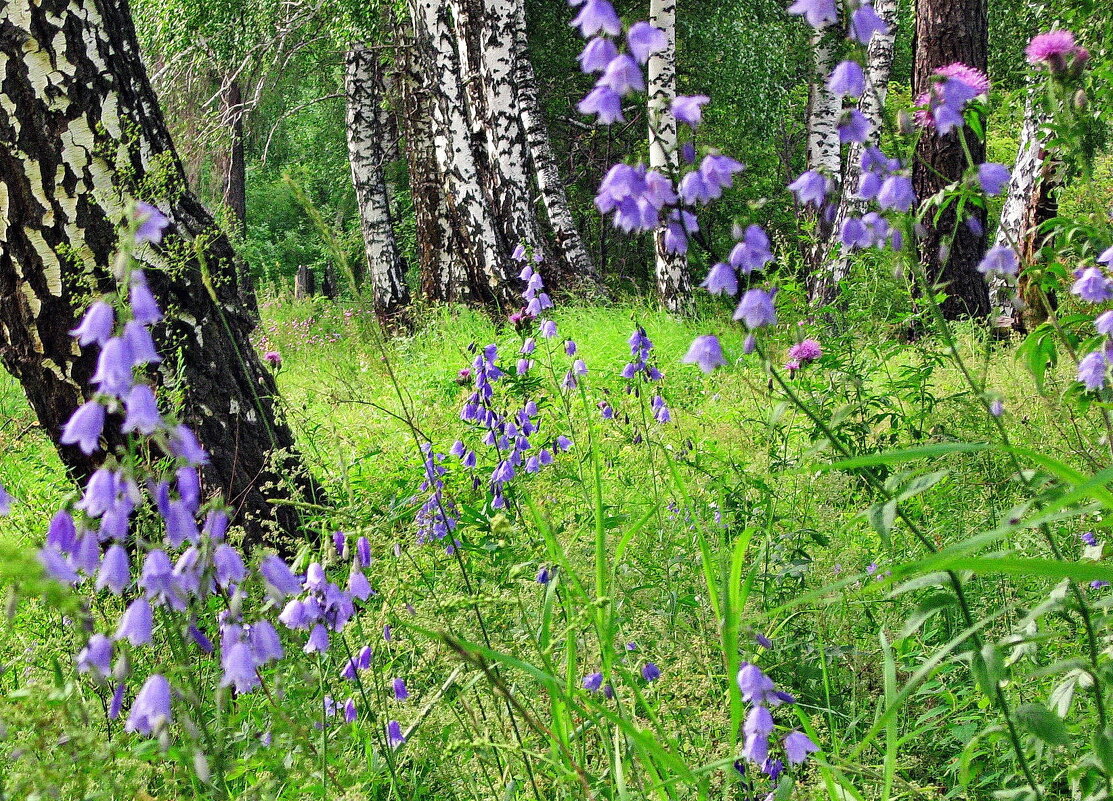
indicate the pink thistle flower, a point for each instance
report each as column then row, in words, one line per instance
column 806, row 351
column 1051, row 48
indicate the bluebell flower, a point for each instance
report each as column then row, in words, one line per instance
column 847, row 79
column 152, row 223
column 97, row 324
column 144, row 308
column 797, row 746
column 597, row 16
column 239, row 669
column 400, row 691
column 706, row 352
column 592, row 682
column 992, row 177
column 150, row 713
column 644, row 40
column 756, row 309
column 135, row 623
column 818, row 13
column 998, row 260
column 650, row 672
column 394, row 736
column 1091, row 285
column 115, row 571
column 596, row 55
column 864, row 23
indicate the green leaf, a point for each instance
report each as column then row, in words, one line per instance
column 1043, row 723
column 1103, row 749
column 882, row 516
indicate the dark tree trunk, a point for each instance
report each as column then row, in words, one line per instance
column 948, row 31
column 233, row 168
column 80, row 133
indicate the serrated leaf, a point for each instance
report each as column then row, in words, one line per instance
column 1043, row 723
column 1103, row 749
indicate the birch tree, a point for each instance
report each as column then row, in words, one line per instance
column 671, row 269
column 367, row 154
column 82, row 136
column 834, row 266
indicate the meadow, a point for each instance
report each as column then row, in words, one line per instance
column 666, row 555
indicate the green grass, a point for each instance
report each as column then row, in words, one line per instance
column 724, row 512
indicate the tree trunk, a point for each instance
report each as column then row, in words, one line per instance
column 485, row 39
column 385, row 265
column 674, row 285
column 948, row 31
column 444, row 276
column 234, row 183
column 1031, row 201
column 575, row 263
column 480, row 242
column 824, row 150
column 80, row 133
column 835, row 266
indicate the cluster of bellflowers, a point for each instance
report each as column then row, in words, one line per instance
column 759, row 691
column 641, row 372
column 509, row 433
column 1093, row 285
column 170, row 580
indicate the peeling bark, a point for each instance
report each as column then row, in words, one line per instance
column 444, row 277
column 1030, row 202
column 366, row 155
column 674, row 286
column 80, row 133
column 834, row 267
column 479, row 240
column 576, row 264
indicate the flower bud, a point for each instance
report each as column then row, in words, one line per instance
column 1081, row 100
column 905, row 123
column 201, row 766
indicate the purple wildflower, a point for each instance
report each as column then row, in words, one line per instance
column 597, row 16
column 592, row 682
column 721, row 280
column 150, row 713
column 847, row 79
column 97, row 324
column 644, row 40
column 992, row 177
column 152, row 223
column 707, row 352
column 688, row 109
column 1092, row 286
column 864, row 23
column 756, row 309
column 810, row 187
column 1092, row 370
column 818, row 13
column 797, row 746
column 394, row 736
column 999, row 260
column 650, row 672
column 84, row 427
column 596, row 55
column 400, row 691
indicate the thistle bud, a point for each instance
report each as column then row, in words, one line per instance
column 201, row 766
column 1081, row 100
column 905, row 124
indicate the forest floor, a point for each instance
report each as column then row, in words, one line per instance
column 734, row 457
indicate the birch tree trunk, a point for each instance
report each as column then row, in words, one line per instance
column 481, row 245
column 673, row 283
column 835, row 265
column 386, row 268
column 485, row 33
column 80, row 133
column 948, row 31
column 1030, row 202
column 576, row 264
column 444, row 276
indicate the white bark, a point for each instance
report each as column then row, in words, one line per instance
column 673, row 283
column 1014, row 214
column 485, row 36
column 571, row 248
column 385, row 265
column 835, row 267
column 481, row 246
